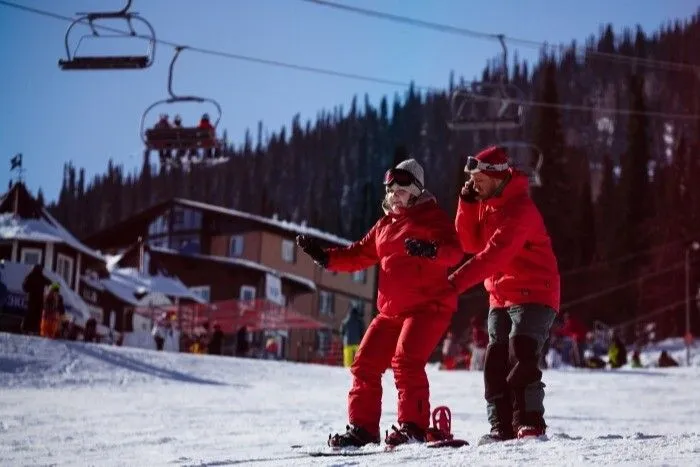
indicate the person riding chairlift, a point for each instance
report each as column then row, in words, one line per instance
column 208, row 143
column 163, row 150
column 177, row 124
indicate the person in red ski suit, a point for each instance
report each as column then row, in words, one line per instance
column 414, row 243
column 499, row 223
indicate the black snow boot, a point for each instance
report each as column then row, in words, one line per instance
column 497, row 435
column 355, row 436
column 408, row 433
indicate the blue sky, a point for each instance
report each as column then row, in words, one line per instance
column 53, row 116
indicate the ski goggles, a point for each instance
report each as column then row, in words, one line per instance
column 400, row 177
column 474, row 165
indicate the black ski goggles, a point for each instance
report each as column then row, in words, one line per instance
column 399, row 176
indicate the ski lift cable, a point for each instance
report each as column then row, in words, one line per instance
column 446, row 28
column 361, row 77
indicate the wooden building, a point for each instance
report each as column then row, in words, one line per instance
column 226, row 254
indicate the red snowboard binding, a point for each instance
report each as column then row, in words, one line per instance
column 440, row 434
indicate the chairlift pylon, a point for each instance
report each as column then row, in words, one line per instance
column 181, row 139
column 113, row 62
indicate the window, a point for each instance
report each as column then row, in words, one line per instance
column 186, row 243
column 360, row 276
column 325, row 303
column 64, row 268
column 202, row 291
column 159, row 226
column 247, row 292
column 31, row 256
column 323, row 342
column 186, row 219
column 96, row 312
column 289, row 251
column 235, row 246
column 159, row 243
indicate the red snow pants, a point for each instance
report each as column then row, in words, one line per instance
column 405, row 344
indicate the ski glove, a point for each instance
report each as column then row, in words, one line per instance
column 468, row 193
column 426, row 249
column 311, row 247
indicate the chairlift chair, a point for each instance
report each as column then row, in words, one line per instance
column 464, row 103
column 181, row 138
column 113, row 62
column 464, row 106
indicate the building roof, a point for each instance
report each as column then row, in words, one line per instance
column 22, row 218
column 127, row 231
column 124, row 282
column 291, row 227
column 299, row 280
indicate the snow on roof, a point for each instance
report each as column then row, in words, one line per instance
column 285, row 225
column 123, row 282
column 242, row 262
column 112, row 260
column 13, row 227
column 13, row 275
column 70, row 239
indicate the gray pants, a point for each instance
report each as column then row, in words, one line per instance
column 512, row 379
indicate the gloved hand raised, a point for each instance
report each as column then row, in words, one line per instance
column 311, row 247
column 423, row 248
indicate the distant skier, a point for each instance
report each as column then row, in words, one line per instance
column 33, row 285
column 53, row 312
column 498, row 221
column 415, row 243
column 159, row 332
column 352, row 329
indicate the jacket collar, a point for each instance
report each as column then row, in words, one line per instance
column 517, row 186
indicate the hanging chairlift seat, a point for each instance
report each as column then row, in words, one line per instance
column 108, row 62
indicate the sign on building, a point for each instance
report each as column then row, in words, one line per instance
column 273, row 289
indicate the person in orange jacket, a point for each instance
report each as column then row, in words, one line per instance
column 53, row 312
column 498, row 222
column 414, row 243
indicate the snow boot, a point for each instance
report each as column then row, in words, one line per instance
column 528, row 431
column 408, row 433
column 497, row 435
column 355, row 436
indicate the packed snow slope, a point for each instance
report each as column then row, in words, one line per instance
column 70, row 403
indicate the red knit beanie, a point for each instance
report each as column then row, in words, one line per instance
column 496, row 157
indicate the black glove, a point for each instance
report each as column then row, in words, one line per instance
column 311, row 247
column 426, row 249
column 468, row 193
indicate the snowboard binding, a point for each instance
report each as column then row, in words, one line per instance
column 442, row 425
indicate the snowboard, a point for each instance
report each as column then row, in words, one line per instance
column 370, row 450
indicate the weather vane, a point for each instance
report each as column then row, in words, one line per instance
column 16, row 166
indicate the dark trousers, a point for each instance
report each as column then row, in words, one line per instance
column 159, row 342
column 513, row 381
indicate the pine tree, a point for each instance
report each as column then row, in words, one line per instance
column 555, row 197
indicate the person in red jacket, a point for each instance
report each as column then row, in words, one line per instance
column 499, row 223
column 209, row 142
column 414, row 243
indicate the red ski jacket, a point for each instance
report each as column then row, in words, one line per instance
column 406, row 283
column 514, row 254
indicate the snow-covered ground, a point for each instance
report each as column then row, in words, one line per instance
column 69, row 403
